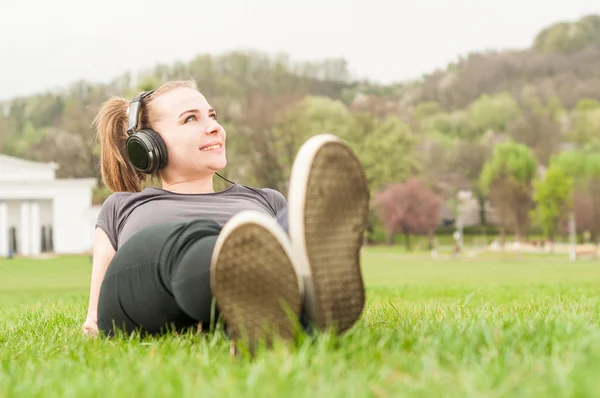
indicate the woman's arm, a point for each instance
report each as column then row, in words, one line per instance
column 103, row 253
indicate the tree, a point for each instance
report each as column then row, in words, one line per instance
column 537, row 126
column 572, row 163
column 437, row 169
column 561, row 37
column 408, row 208
column 587, row 104
column 569, row 37
column 492, row 112
column 585, row 121
column 583, row 167
column 22, row 143
column 310, row 116
column 553, row 197
column 253, row 153
column 592, row 175
column 583, row 208
column 507, row 179
column 448, row 124
column 384, row 147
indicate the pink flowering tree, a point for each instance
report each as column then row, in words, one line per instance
column 408, row 208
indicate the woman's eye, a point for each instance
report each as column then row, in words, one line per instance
column 187, row 119
column 214, row 116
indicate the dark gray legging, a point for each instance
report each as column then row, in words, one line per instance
column 159, row 279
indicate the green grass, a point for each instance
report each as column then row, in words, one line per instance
column 489, row 326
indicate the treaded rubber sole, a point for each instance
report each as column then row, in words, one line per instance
column 329, row 205
column 254, row 281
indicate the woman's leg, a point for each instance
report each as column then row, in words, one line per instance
column 166, row 275
column 159, row 279
column 255, row 280
column 328, row 212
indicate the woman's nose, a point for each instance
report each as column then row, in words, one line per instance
column 213, row 129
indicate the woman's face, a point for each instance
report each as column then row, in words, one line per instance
column 195, row 140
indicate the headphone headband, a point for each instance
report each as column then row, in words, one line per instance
column 134, row 111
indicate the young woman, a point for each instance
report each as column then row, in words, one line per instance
column 162, row 256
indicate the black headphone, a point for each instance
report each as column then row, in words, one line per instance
column 146, row 149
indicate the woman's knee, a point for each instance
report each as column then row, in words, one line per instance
column 134, row 299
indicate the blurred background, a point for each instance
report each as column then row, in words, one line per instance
column 478, row 123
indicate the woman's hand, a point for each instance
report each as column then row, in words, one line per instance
column 90, row 327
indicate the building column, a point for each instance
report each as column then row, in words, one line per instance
column 24, row 246
column 3, row 229
column 35, row 229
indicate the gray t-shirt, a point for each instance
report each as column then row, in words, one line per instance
column 123, row 214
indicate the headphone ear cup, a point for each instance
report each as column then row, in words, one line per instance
column 147, row 151
column 161, row 147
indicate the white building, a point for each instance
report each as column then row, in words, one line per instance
column 40, row 213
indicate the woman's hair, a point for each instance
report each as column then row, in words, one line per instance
column 118, row 174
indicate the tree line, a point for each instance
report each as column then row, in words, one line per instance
column 520, row 129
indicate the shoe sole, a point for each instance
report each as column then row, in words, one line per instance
column 328, row 207
column 254, row 281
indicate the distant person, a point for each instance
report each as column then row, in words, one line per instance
column 161, row 255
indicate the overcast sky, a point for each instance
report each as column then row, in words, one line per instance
column 45, row 44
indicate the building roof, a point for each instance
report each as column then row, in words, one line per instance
column 11, row 162
column 25, row 171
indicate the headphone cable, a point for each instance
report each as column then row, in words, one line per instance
column 252, row 189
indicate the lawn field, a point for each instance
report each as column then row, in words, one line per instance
column 495, row 325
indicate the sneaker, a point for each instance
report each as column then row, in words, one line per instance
column 328, row 204
column 254, row 281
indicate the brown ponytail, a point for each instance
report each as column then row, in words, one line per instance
column 111, row 129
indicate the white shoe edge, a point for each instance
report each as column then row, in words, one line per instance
column 296, row 203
